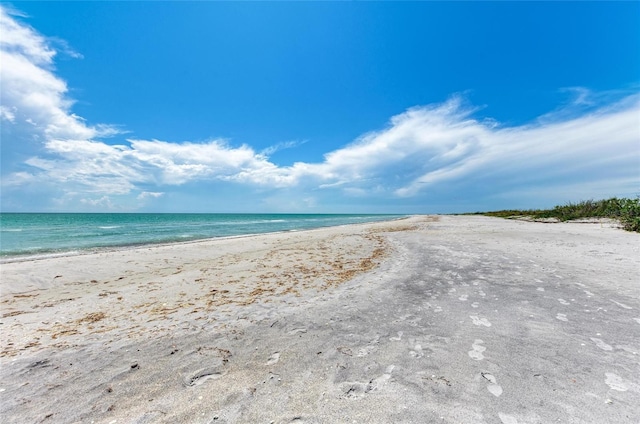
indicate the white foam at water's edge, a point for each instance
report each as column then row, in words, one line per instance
column 40, row 256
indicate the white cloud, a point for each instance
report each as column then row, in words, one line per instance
column 603, row 140
column 22, row 39
column 34, row 99
column 150, row 194
column 421, row 148
column 103, row 201
column 7, row 113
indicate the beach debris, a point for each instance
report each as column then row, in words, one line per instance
column 344, row 350
column 440, row 380
column 489, row 377
column 135, row 366
column 40, row 364
column 13, row 314
column 92, row 317
column 65, row 332
column 353, row 390
column 225, row 354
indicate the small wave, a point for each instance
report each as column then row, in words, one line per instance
column 261, row 221
column 109, row 227
column 11, row 230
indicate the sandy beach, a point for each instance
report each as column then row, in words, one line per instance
column 452, row 319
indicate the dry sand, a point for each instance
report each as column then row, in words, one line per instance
column 428, row 319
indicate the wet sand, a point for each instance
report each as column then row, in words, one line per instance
column 429, row 319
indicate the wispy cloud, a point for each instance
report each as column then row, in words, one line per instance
column 595, row 146
column 281, row 146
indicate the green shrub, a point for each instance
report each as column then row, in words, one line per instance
column 627, row 211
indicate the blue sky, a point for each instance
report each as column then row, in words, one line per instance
column 317, row 107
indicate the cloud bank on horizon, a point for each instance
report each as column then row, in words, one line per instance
column 54, row 160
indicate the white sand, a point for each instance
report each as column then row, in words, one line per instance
column 383, row 322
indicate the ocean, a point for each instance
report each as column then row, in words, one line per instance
column 33, row 235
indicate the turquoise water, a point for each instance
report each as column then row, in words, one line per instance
column 46, row 234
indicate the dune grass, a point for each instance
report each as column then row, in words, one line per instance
column 627, row 211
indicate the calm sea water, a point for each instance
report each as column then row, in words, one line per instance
column 46, row 234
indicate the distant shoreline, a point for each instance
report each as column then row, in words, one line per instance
column 13, row 258
column 216, row 226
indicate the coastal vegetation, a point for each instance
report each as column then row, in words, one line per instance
column 626, row 211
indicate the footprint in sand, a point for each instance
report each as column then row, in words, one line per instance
column 507, row 419
column 475, row 304
column 601, row 344
column 464, row 297
column 417, row 351
column 365, row 351
column 476, row 353
column 480, row 321
column 562, row 317
column 201, row 376
column 615, row 382
column 562, row 301
column 494, row 388
column 273, row 358
column 397, row 339
column 378, row 382
column 356, row 389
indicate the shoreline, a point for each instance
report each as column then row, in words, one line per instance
column 414, row 320
column 96, row 250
